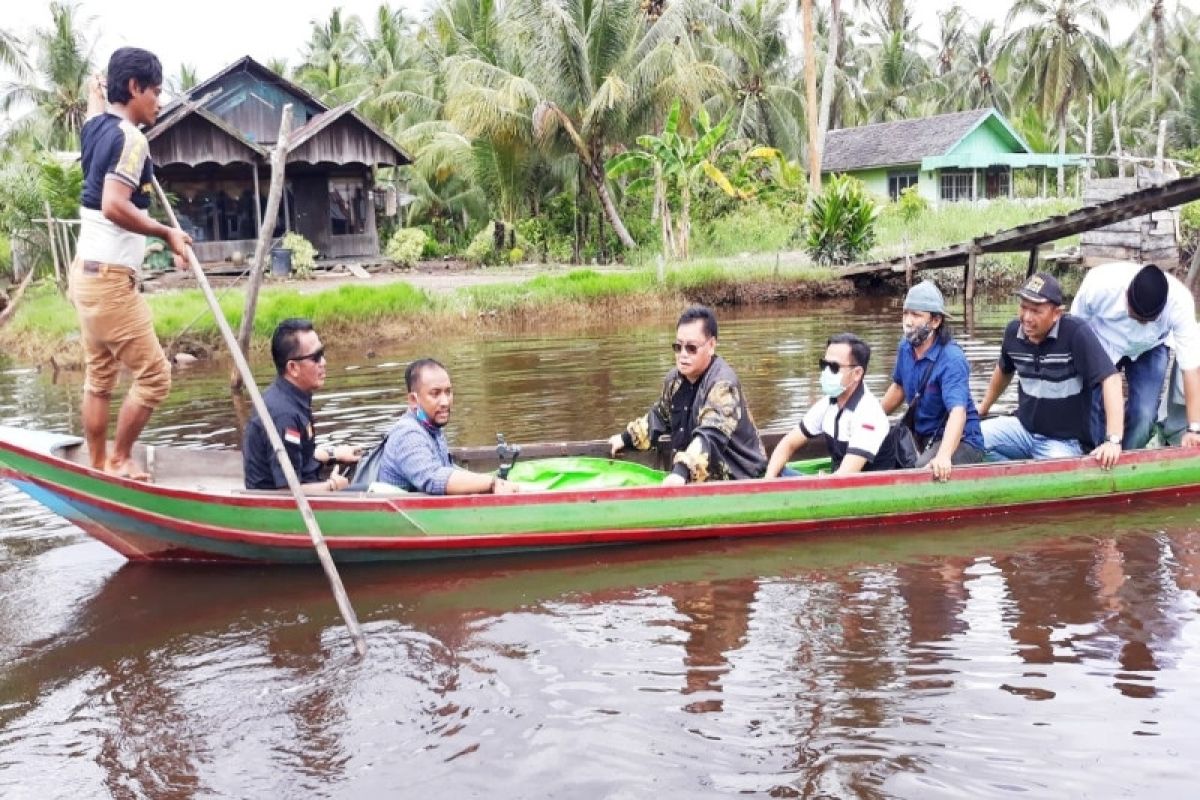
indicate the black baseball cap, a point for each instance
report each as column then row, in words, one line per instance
column 1041, row 288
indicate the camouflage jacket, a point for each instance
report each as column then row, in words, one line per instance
column 714, row 439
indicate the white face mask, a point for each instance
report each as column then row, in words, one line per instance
column 831, row 385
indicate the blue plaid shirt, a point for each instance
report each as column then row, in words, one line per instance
column 416, row 457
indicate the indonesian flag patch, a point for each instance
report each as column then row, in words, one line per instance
column 868, row 426
column 291, row 436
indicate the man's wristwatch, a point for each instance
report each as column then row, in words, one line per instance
column 1113, row 438
column 1193, row 427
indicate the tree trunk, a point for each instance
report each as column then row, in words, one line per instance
column 1117, row 141
column 1062, row 149
column 596, row 173
column 685, row 222
column 1088, row 143
column 827, row 79
column 589, row 154
column 265, row 234
column 810, row 96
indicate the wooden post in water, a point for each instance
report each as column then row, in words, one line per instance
column 969, row 283
column 285, row 464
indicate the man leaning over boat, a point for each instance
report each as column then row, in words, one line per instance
column 849, row 418
column 703, row 409
column 1136, row 311
column 416, row 456
column 299, row 360
column 1058, row 360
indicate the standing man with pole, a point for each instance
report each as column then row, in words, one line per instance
column 114, row 320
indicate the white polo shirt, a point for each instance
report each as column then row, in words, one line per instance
column 1101, row 303
column 857, row 429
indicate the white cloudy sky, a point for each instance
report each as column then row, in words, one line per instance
column 213, row 33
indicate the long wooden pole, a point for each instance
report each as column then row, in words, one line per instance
column 293, row 482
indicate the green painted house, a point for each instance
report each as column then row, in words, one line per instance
column 967, row 155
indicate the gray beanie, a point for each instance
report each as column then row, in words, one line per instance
column 925, row 296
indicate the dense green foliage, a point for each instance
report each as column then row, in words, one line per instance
column 840, row 226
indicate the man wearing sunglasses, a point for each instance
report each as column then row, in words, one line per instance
column 856, row 431
column 703, row 410
column 299, row 360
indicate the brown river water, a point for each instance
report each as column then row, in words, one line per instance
column 1037, row 656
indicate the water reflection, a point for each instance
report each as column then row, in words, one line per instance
column 1055, row 656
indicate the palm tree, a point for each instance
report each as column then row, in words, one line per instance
column 12, row 54
column 898, row 75
column 897, row 80
column 396, row 81
column 1122, row 94
column 183, row 80
column 1154, row 24
column 1182, row 84
column 1064, row 50
column 55, row 87
column 752, row 50
column 331, row 58
column 976, row 75
column 590, row 74
column 953, row 26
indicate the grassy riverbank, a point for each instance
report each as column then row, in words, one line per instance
column 45, row 327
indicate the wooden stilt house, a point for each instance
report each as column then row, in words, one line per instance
column 212, row 148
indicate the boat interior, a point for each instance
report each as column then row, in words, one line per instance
column 218, row 471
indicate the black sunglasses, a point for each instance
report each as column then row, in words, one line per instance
column 691, row 349
column 315, row 356
column 834, row 366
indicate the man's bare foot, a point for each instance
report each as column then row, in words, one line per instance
column 126, row 469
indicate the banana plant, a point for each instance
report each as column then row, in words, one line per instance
column 672, row 159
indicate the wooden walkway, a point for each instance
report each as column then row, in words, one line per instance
column 1030, row 236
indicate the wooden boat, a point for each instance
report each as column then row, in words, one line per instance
column 195, row 508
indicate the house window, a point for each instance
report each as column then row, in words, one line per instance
column 958, row 184
column 899, row 181
column 996, row 182
column 347, row 206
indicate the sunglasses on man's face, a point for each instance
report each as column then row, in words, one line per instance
column 691, row 349
column 834, row 366
column 316, row 356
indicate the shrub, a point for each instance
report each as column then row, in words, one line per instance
column 157, row 257
column 911, row 204
column 841, row 222
column 406, row 246
column 304, row 255
column 516, row 255
column 482, row 249
column 755, row 227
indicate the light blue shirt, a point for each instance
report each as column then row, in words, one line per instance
column 416, row 457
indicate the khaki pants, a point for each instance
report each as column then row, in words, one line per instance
column 117, row 331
